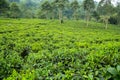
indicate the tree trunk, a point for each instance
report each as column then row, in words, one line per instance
column 87, row 19
column 46, row 14
column 87, row 23
column 106, row 23
column 75, row 15
column 106, row 26
column 53, row 15
column 60, row 16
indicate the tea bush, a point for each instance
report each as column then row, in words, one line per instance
column 43, row 49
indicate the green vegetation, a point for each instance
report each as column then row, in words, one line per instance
column 90, row 10
column 37, row 49
column 89, row 7
column 59, row 40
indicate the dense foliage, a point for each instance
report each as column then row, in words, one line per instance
column 44, row 49
column 62, row 9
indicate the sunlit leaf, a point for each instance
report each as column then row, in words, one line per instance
column 112, row 71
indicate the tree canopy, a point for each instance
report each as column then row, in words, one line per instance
column 62, row 9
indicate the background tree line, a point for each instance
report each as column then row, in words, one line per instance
column 104, row 11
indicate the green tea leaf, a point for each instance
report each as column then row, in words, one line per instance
column 90, row 76
column 118, row 68
column 112, row 71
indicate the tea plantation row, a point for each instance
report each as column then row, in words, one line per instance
column 46, row 50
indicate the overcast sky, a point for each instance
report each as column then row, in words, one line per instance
column 97, row 0
column 113, row 1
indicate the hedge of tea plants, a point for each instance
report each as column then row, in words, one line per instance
column 46, row 50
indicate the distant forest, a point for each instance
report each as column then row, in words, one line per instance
column 103, row 11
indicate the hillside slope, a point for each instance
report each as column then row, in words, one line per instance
column 44, row 49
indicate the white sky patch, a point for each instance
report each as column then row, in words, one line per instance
column 97, row 0
column 113, row 1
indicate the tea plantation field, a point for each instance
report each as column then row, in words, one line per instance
column 33, row 49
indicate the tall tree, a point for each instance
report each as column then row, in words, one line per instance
column 46, row 8
column 105, row 9
column 60, row 6
column 53, row 10
column 3, row 6
column 29, row 14
column 75, row 6
column 118, row 12
column 89, row 6
column 15, row 10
